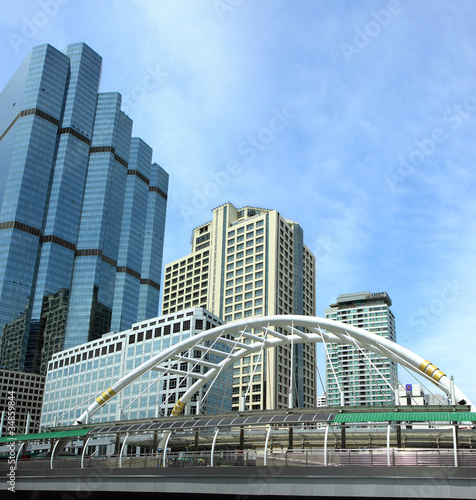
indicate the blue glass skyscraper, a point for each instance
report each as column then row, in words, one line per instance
column 82, row 212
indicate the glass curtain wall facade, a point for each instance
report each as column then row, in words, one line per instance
column 76, row 376
column 82, row 206
column 245, row 263
column 361, row 378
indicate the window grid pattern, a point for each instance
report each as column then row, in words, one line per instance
column 358, row 378
column 79, row 374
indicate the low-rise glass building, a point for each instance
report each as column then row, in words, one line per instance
column 76, row 376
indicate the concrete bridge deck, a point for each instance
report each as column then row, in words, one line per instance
column 248, row 481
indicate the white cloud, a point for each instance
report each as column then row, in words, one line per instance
column 329, row 168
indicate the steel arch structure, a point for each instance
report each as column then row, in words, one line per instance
column 318, row 330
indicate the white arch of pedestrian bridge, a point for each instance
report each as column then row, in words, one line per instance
column 296, row 330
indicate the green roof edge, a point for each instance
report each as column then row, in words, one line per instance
column 399, row 416
column 43, row 435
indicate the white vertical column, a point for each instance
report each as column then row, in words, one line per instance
column 326, row 435
column 52, row 452
column 388, row 444
column 165, row 449
column 213, row 446
column 84, row 451
column 122, row 450
column 266, row 446
column 455, row 445
column 19, row 453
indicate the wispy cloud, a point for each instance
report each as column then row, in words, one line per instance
column 329, row 168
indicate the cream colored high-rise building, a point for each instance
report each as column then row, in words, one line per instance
column 245, row 263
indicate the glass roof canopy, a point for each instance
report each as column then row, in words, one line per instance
column 257, row 419
column 304, row 418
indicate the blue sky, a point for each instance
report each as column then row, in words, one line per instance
column 355, row 119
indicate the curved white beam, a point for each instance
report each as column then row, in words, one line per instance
column 319, row 328
column 84, row 451
column 18, row 454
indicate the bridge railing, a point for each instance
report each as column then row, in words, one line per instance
column 236, row 458
column 375, row 457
